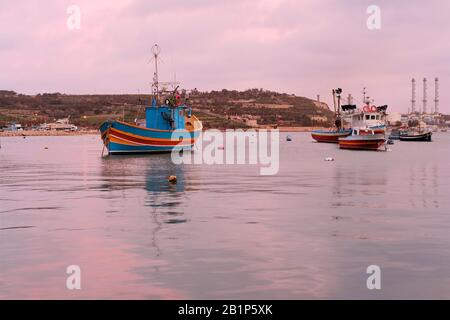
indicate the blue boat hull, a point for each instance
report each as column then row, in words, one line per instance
column 123, row 138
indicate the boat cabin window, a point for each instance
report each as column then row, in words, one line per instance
column 355, row 132
column 367, row 116
column 372, row 117
column 378, row 117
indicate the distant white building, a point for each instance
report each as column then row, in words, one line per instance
column 14, row 127
column 251, row 122
column 60, row 125
column 393, row 118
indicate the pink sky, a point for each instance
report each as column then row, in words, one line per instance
column 304, row 47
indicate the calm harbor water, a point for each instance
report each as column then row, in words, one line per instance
column 224, row 231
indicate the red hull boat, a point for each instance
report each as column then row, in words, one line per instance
column 362, row 139
column 329, row 136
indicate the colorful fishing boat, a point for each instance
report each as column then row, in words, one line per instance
column 362, row 139
column 168, row 126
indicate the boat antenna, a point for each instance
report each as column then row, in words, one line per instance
column 156, row 50
column 339, row 91
column 334, row 101
column 139, row 105
column 337, row 109
column 385, row 129
column 364, row 95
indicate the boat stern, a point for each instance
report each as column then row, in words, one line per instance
column 104, row 131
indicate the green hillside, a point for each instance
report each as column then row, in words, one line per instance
column 217, row 109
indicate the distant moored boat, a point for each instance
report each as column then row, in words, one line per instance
column 362, row 139
column 329, row 136
column 416, row 136
column 349, row 116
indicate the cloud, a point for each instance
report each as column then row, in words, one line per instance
column 304, row 47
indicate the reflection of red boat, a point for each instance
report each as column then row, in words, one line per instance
column 329, row 136
column 362, row 139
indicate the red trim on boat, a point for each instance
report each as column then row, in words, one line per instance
column 149, row 141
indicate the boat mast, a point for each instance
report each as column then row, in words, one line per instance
column 364, row 95
column 339, row 91
column 155, row 86
column 339, row 107
column 334, row 102
column 385, row 130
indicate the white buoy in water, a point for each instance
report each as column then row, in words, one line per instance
column 329, row 159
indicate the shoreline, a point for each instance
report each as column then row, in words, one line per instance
column 51, row 133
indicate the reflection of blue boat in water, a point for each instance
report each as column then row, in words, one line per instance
column 157, row 175
column 128, row 175
column 163, row 197
column 168, row 126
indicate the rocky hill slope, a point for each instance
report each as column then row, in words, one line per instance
column 217, row 109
